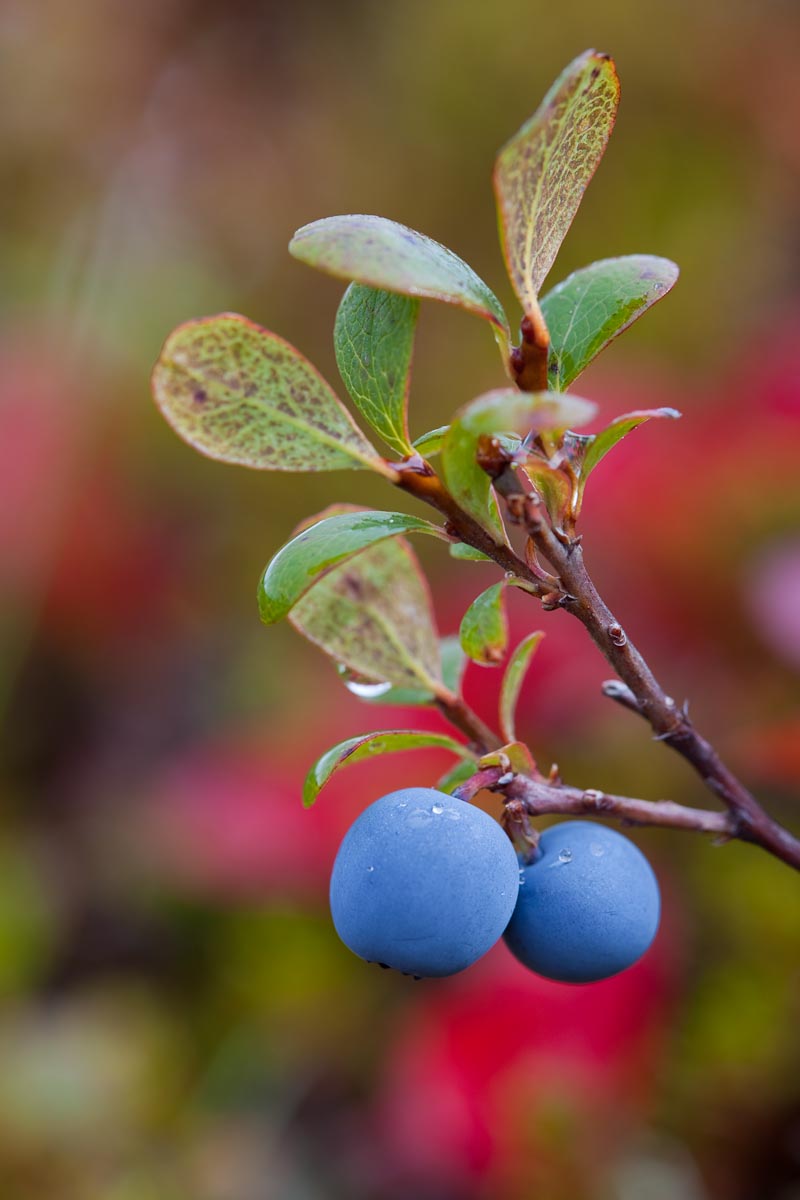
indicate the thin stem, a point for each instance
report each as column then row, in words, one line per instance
column 459, row 714
column 644, row 693
column 426, row 486
column 541, row 797
column 528, row 361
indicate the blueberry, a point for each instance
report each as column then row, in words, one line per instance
column 588, row 907
column 424, row 883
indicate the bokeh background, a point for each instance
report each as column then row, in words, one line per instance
column 177, row 1017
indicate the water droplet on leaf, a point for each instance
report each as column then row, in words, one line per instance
column 367, row 691
column 359, row 685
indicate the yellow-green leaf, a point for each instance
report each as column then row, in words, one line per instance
column 240, row 394
column 373, row 614
column 558, row 491
column 453, row 662
column 515, row 756
column 542, row 172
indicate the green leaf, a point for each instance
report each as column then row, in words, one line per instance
column 369, row 745
column 607, row 439
column 372, row 614
column 457, row 775
column 541, row 174
column 465, row 553
column 498, row 412
column 374, row 341
column 593, row 306
column 430, row 443
column 383, row 254
column 484, row 629
column 512, row 682
column 240, row 394
column 315, row 551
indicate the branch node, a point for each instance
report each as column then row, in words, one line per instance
column 598, row 800
column 532, row 513
column 617, row 634
column 515, row 505
column 615, row 689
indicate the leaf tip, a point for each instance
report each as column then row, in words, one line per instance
column 601, row 60
column 298, row 237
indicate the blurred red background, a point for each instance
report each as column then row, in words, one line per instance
column 177, row 1017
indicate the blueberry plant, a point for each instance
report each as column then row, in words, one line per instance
column 425, row 881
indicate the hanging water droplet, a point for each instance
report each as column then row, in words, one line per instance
column 437, row 809
column 565, row 856
column 367, row 691
column 360, row 685
column 370, row 868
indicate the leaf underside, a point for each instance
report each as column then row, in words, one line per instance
column 542, row 172
column 453, row 660
column 373, row 614
column 240, row 394
column 553, row 486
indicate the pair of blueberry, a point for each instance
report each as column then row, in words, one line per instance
column 426, row 884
